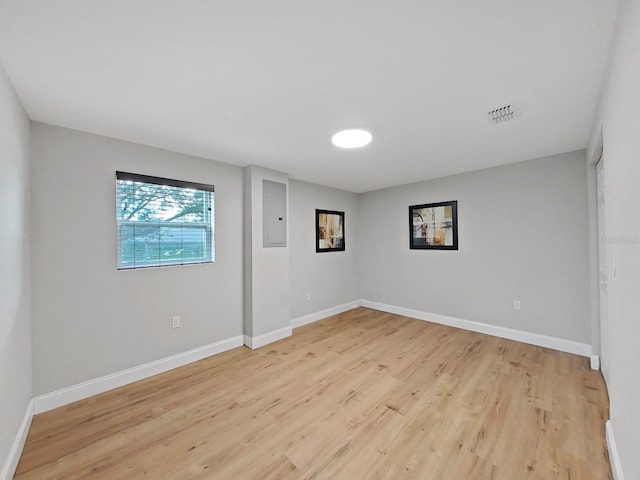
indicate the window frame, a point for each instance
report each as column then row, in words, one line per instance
column 208, row 226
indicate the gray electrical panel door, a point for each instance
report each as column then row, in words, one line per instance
column 274, row 214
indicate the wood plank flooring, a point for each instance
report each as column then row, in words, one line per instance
column 362, row 395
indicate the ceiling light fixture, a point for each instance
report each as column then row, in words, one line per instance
column 502, row 114
column 353, row 138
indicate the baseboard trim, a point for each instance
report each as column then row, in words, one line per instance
column 322, row 314
column 267, row 338
column 595, row 362
column 49, row 401
column 11, row 463
column 561, row 344
column 614, row 456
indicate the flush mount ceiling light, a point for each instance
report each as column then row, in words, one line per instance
column 502, row 114
column 353, row 138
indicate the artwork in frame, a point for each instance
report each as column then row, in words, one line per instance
column 329, row 231
column 434, row 226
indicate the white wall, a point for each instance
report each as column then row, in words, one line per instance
column 523, row 234
column 15, row 276
column 330, row 277
column 619, row 118
column 90, row 319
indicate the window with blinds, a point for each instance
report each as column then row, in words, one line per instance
column 163, row 222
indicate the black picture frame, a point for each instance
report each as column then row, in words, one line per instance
column 434, row 226
column 329, row 231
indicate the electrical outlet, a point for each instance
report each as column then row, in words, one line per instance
column 308, row 297
column 517, row 305
column 175, row 322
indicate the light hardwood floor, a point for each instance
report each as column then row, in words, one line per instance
column 362, row 395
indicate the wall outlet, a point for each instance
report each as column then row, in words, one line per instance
column 308, row 297
column 175, row 322
column 517, row 305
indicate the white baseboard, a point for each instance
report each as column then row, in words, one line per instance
column 83, row 390
column 322, row 314
column 266, row 338
column 614, row 456
column 595, row 362
column 554, row 343
column 15, row 451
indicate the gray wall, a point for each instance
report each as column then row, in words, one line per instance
column 522, row 235
column 330, row 278
column 619, row 121
column 267, row 268
column 15, row 276
column 90, row 319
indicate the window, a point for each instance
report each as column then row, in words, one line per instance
column 163, row 222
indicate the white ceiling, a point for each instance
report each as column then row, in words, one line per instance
column 269, row 82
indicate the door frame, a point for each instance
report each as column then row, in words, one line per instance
column 597, row 251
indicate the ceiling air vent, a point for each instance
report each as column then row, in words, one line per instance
column 501, row 114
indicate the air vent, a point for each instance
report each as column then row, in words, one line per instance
column 501, row 114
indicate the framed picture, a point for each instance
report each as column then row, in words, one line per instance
column 434, row 226
column 329, row 231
